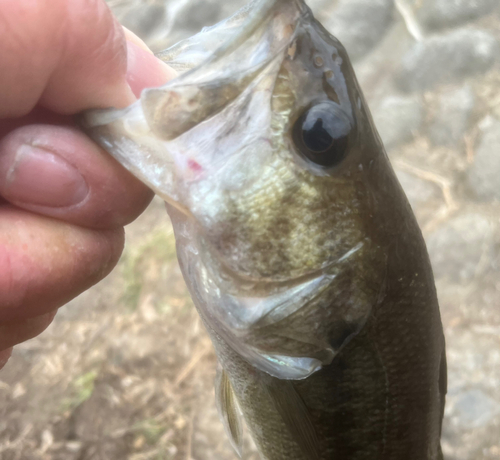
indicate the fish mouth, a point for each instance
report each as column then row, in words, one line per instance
column 147, row 137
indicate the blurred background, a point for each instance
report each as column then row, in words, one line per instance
column 126, row 370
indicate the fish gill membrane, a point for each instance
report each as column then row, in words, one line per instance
column 294, row 237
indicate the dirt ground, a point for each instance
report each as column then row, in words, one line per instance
column 126, row 370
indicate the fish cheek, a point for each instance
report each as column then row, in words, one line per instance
column 291, row 226
column 254, row 242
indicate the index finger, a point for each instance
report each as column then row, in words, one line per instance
column 68, row 54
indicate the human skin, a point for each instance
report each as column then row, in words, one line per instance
column 63, row 200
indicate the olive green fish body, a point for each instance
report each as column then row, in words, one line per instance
column 382, row 396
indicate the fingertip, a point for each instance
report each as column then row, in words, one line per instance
column 119, row 95
column 5, row 356
column 60, row 172
column 46, row 263
column 144, row 70
column 91, row 69
column 131, row 37
column 69, row 57
column 115, row 241
column 13, row 333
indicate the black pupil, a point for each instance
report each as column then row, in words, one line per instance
column 322, row 134
column 317, row 139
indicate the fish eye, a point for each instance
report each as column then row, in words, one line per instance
column 321, row 134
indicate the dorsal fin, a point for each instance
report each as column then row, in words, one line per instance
column 295, row 415
column 229, row 412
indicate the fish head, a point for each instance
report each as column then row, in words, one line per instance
column 262, row 146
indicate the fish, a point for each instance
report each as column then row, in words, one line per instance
column 298, row 246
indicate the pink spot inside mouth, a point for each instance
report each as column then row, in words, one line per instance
column 194, row 165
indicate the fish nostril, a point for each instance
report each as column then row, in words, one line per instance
column 318, row 61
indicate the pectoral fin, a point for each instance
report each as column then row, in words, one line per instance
column 295, row 415
column 228, row 410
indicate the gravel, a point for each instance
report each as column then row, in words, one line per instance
column 460, row 246
column 360, row 24
column 144, row 20
column 438, row 14
column 417, row 191
column 449, row 124
column 397, row 119
column 484, row 175
column 447, row 58
column 473, row 409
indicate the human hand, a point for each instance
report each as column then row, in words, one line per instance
column 63, row 200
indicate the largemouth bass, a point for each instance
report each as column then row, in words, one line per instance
column 295, row 239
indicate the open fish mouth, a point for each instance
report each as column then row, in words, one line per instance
column 256, row 148
column 226, row 70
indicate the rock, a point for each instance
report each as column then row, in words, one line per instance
column 145, row 18
column 322, row 9
column 473, row 409
column 162, row 23
column 196, row 15
column 450, row 122
column 418, row 191
column 462, row 248
column 437, row 14
column 397, row 118
column 484, row 175
column 447, row 58
column 360, row 24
